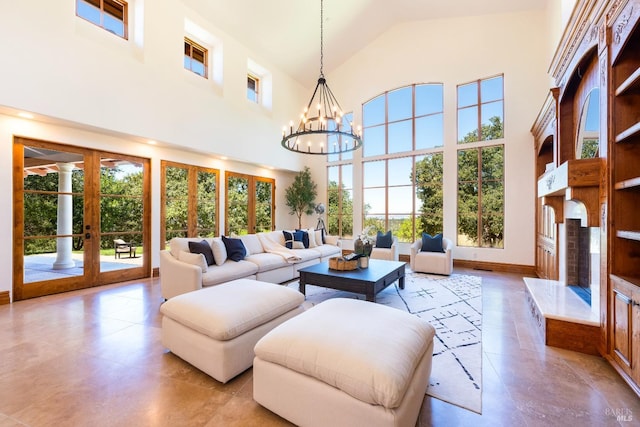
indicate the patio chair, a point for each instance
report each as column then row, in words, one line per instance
column 122, row 247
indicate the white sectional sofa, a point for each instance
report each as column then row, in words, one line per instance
column 263, row 261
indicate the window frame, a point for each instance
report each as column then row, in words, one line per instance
column 192, row 229
column 416, row 154
column 101, row 8
column 205, row 57
column 479, row 184
column 256, row 90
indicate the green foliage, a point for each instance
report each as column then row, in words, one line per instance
column 300, row 196
column 339, row 221
column 428, row 180
column 237, row 205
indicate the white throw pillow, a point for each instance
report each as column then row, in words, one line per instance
column 312, row 238
column 318, row 235
column 195, row 259
column 219, row 250
column 297, row 245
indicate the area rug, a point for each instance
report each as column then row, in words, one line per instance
column 453, row 305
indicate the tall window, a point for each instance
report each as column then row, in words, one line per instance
column 195, row 57
column 108, row 14
column 190, row 201
column 253, row 88
column 340, row 182
column 402, row 170
column 481, row 168
column 340, row 197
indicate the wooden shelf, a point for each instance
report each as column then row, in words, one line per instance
column 628, row 183
column 633, row 81
column 628, row 234
column 628, row 133
column 628, row 280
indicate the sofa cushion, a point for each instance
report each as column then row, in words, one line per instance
column 203, row 247
column 178, row 244
column 235, row 248
column 194, row 259
column 230, row 270
column 252, row 244
column 319, row 236
column 219, row 250
column 384, row 240
column 267, row 261
column 226, row 311
column 431, row 243
column 312, row 238
column 327, row 250
column 366, row 355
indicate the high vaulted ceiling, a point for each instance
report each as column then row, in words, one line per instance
column 287, row 32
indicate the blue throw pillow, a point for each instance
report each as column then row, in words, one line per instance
column 432, row 244
column 288, row 239
column 235, row 248
column 202, row 248
column 384, row 240
column 304, row 239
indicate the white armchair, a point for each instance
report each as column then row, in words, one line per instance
column 389, row 254
column 432, row 262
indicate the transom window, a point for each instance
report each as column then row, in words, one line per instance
column 195, row 57
column 108, row 14
column 402, row 120
column 481, row 110
column 253, row 88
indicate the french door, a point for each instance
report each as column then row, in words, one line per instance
column 81, row 218
column 250, row 204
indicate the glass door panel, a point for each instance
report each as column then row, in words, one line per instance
column 207, row 209
column 237, row 218
column 264, row 206
column 121, row 214
column 50, row 216
column 176, row 197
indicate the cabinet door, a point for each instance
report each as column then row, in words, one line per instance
column 622, row 328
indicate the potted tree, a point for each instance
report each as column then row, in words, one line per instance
column 301, row 194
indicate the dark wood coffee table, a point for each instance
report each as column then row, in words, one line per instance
column 367, row 281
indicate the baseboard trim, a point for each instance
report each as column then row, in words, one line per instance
column 5, row 298
column 529, row 270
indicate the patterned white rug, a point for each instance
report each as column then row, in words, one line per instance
column 453, row 305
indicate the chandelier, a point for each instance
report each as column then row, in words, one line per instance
column 321, row 129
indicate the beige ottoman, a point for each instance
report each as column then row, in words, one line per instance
column 345, row 362
column 216, row 328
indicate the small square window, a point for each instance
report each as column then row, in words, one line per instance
column 108, row 14
column 253, row 88
column 195, row 58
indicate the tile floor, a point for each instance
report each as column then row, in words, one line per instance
column 94, row 358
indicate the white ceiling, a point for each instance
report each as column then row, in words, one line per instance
column 287, row 32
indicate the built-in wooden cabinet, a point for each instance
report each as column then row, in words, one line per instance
column 624, row 190
column 598, row 59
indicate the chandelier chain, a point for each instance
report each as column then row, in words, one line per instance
column 321, row 38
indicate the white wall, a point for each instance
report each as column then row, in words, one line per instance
column 62, row 66
column 455, row 51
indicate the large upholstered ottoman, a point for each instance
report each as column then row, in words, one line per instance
column 215, row 329
column 345, row 362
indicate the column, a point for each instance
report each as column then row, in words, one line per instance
column 64, row 245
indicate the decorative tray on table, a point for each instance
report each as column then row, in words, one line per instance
column 344, row 263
